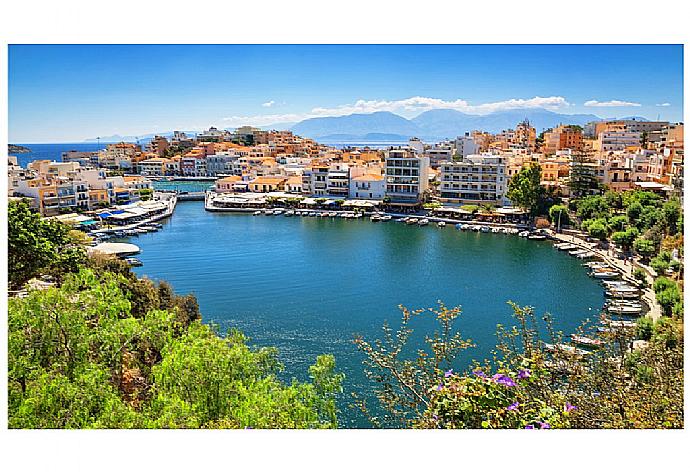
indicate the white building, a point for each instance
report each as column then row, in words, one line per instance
column 466, row 145
column 368, row 186
column 477, row 179
column 407, row 175
column 617, row 140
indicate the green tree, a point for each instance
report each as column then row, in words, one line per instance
column 596, row 228
column 525, row 189
column 559, row 215
column 644, row 247
column 78, row 358
column 38, row 246
column 625, row 239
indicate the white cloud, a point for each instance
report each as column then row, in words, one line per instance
column 665, row 104
column 268, row 104
column 611, row 103
column 406, row 107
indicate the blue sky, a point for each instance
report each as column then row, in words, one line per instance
column 67, row 93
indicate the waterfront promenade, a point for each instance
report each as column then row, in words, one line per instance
column 623, row 266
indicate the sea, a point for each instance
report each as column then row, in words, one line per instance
column 309, row 286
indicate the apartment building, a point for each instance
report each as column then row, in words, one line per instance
column 617, row 140
column 477, row 179
column 407, row 175
column 562, row 137
column 466, row 145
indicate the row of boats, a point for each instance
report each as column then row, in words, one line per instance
column 318, row 214
column 142, row 229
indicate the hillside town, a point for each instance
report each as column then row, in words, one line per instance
column 472, row 169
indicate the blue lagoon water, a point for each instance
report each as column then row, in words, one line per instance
column 308, row 285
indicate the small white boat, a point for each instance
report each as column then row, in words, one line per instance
column 523, row 234
column 484, row 229
column 374, row 218
column 268, row 211
column 423, row 222
column 625, row 310
column 495, row 230
column 289, row 213
column 536, row 237
column 608, row 274
column 621, row 323
column 257, row 212
column 585, row 341
column 411, row 221
column 140, row 230
column 277, row 212
column 134, row 262
column 441, row 224
column 625, row 295
column 566, row 247
column 333, row 214
column 386, row 218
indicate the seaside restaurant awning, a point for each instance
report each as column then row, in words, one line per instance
column 71, row 218
column 360, row 203
column 309, row 201
column 510, row 211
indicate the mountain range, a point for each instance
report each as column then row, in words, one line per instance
column 431, row 126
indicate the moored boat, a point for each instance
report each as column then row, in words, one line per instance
column 441, row 224
column 423, row 222
column 586, row 341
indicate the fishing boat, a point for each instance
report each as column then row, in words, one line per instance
column 386, row 218
column 625, row 310
column 536, row 237
column 375, row 217
column 140, row 230
column 585, row 341
column 495, row 230
column 277, row 212
column 257, row 212
column 441, row 224
column 119, row 234
column 620, row 324
column 423, row 222
column 484, row 229
column 586, row 255
column 523, row 234
column 130, row 232
column 333, row 214
column 411, row 221
column 268, row 211
column 566, row 247
column 289, row 213
column 605, row 274
column 625, row 295
column 133, row 261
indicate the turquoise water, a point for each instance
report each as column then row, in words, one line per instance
column 183, row 185
column 307, row 285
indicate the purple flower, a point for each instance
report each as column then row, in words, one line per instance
column 529, row 426
column 544, row 425
column 435, row 418
column 503, row 380
column 479, row 373
column 524, row 373
column 569, row 407
column 448, row 373
column 440, row 387
column 513, row 406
